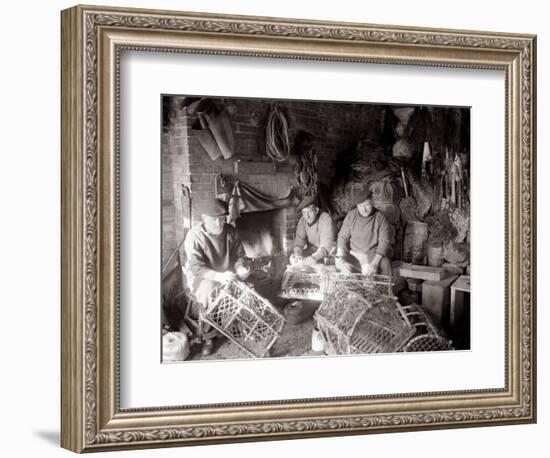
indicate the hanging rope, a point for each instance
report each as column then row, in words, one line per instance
column 277, row 145
column 306, row 165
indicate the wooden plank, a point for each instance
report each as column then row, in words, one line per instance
column 422, row 272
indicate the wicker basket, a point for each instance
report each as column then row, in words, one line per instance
column 373, row 284
column 303, row 284
column 427, row 336
column 245, row 318
column 357, row 319
column 318, row 284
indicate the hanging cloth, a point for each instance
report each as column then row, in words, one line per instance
column 245, row 199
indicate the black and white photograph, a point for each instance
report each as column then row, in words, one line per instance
column 301, row 228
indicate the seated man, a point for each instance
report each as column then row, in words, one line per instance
column 363, row 243
column 315, row 236
column 214, row 256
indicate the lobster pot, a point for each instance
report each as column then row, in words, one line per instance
column 319, row 284
column 371, row 285
column 427, row 336
column 302, row 284
column 245, row 318
column 359, row 320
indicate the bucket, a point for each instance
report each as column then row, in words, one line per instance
column 435, row 255
column 175, row 347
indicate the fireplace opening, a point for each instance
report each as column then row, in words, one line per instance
column 261, row 233
column 263, row 238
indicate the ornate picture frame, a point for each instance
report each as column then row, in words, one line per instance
column 92, row 40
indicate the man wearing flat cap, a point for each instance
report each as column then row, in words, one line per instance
column 214, row 256
column 364, row 241
column 315, row 237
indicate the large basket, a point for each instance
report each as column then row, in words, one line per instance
column 427, row 336
column 358, row 320
column 371, row 284
column 303, row 284
column 318, row 284
column 245, row 318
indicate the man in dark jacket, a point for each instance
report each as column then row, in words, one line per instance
column 214, row 256
column 363, row 243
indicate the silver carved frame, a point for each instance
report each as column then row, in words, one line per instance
column 92, row 39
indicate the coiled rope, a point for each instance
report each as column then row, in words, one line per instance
column 277, row 145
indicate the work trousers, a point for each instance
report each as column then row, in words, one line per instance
column 355, row 260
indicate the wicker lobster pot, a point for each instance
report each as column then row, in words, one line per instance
column 371, row 285
column 303, row 284
column 427, row 336
column 245, row 318
column 356, row 318
column 318, row 284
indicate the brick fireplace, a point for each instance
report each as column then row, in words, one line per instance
column 188, row 173
column 190, row 179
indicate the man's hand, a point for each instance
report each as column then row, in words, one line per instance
column 225, row 277
column 298, row 251
column 342, row 266
column 371, row 268
column 368, row 269
column 309, row 261
column 294, row 259
column 242, row 272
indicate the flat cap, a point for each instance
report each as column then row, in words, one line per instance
column 306, row 202
column 363, row 195
column 214, row 207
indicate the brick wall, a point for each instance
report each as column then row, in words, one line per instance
column 175, row 174
column 335, row 127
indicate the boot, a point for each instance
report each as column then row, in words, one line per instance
column 207, row 347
